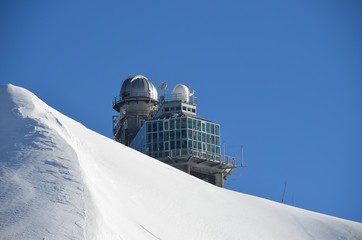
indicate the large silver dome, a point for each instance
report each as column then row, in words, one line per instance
column 138, row 87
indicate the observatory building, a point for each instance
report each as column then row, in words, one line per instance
column 168, row 129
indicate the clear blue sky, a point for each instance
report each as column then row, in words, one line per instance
column 283, row 78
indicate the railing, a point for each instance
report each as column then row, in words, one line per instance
column 178, row 97
column 186, row 153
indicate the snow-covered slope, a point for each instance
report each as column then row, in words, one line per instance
column 60, row 180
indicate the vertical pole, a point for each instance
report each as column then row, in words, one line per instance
column 242, row 155
column 285, row 187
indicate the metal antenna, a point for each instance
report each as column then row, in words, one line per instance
column 285, row 187
column 163, row 87
column 242, row 157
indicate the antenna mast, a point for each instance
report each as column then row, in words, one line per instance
column 285, row 187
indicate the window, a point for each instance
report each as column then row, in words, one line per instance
column 149, row 138
column 160, row 146
column 183, row 122
column 217, row 130
column 154, row 126
column 190, row 134
column 155, row 147
column 172, row 124
column 167, row 109
column 149, row 127
column 178, row 134
column 203, row 127
column 194, row 110
column 148, row 148
column 212, row 128
column 160, row 136
column 172, row 145
column 172, row 135
column 203, row 137
column 189, row 122
column 178, row 144
column 194, row 135
column 166, row 125
column 217, row 140
column 183, row 133
column 199, row 125
column 189, row 109
column 208, row 127
column 199, row 136
column 178, row 108
column 199, row 145
column 154, row 137
column 194, row 124
column 160, row 125
column 178, row 124
column 184, row 143
column 166, row 136
column 184, row 108
column 166, row 146
column 172, row 109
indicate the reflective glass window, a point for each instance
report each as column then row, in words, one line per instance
column 212, row 128
column 199, row 145
column 193, row 110
column 194, row 124
column 154, row 126
column 178, row 134
column 149, row 127
column 189, row 122
column 148, row 148
column 208, row 138
column 217, row 130
column 183, row 122
column 203, row 127
column 184, row 108
column 198, row 125
column 218, row 150
column 172, row 135
column 199, row 136
column 190, row 143
column 184, row 143
column 155, row 147
column 195, row 144
column 190, row 134
column 178, row 108
column 172, row 145
column 160, row 136
column 183, row 133
column 166, row 135
column 154, row 137
column 160, row 146
column 160, row 125
column 172, row 124
column 178, row 124
column 217, row 140
column 166, row 125
column 208, row 127
column 194, row 135
column 166, row 146
column 212, row 139
column 149, row 137
column 178, row 144
column 203, row 137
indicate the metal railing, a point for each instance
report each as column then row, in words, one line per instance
column 186, row 153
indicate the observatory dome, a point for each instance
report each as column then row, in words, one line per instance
column 138, row 87
column 181, row 92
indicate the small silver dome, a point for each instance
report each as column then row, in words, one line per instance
column 138, row 87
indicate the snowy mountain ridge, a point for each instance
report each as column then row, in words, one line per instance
column 60, row 180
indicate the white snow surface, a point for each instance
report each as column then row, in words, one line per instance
column 60, row 180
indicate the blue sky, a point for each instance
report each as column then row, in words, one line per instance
column 283, row 78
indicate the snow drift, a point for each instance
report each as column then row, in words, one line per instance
column 60, row 180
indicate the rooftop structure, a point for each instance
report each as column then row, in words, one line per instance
column 169, row 129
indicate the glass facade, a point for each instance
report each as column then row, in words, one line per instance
column 182, row 136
